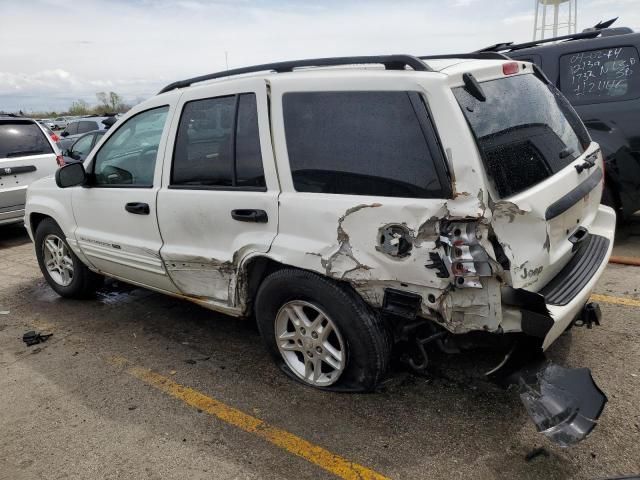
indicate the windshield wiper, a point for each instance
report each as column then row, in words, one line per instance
column 23, row 152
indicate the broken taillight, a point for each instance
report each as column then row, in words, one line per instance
column 60, row 160
column 466, row 259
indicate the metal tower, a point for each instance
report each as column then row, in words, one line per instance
column 561, row 18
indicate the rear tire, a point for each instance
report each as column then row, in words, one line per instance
column 61, row 268
column 294, row 311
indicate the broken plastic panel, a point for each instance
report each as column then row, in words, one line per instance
column 564, row 404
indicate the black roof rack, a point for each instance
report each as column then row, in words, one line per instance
column 391, row 62
column 593, row 32
column 481, row 55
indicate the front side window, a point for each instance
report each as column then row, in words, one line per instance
column 526, row 131
column 605, row 75
column 217, row 144
column 128, row 157
column 363, row 143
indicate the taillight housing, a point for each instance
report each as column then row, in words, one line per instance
column 510, row 68
column 55, row 137
column 60, row 160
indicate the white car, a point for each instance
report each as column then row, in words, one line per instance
column 343, row 206
column 27, row 153
column 60, row 123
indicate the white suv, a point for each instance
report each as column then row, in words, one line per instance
column 343, row 206
column 27, row 153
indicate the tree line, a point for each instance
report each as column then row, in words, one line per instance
column 107, row 102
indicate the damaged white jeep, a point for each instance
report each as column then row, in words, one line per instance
column 349, row 208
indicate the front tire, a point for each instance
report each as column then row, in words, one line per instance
column 321, row 332
column 61, row 268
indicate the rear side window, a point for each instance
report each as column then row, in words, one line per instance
column 526, row 131
column 363, row 143
column 21, row 139
column 604, row 75
column 217, row 145
column 87, row 126
column 72, row 129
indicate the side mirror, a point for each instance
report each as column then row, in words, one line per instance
column 64, row 134
column 71, row 175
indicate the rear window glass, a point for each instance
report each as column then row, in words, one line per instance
column 526, row 131
column 360, row 143
column 604, row 75
column 22, row 139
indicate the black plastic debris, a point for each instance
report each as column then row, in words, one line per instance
column 34, row 338
column 564, row 404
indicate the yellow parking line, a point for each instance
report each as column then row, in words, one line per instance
column 629, row 302
column 339, row 466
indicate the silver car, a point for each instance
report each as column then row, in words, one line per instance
column 27, row 154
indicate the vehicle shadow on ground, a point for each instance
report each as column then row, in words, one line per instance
column 13, row 235
column 225, row 357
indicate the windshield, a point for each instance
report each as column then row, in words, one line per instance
column 526, row 131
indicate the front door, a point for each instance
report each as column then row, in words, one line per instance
column 219, row 201
column 117, row 227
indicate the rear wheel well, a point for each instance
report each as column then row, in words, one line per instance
column 258, row 268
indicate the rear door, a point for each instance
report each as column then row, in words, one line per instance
column 219, row 201
column 25, row 156
column 531, row 142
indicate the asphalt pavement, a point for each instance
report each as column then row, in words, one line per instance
column 134, row 384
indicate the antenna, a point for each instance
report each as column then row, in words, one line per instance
column 565, row 17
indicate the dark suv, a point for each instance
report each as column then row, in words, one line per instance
column 598, row 70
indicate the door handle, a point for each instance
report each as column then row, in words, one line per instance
column 137, row 208
column 250, row 215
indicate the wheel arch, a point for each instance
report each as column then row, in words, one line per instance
column 256, row 268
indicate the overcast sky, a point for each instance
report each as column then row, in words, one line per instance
column 52, row 52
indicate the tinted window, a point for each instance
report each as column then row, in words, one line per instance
column 248, row 157
column 360, row 143
column 87, row 126
column 19, row 139
column 600, row 75
column 526, row 131
column 128, row 157
column 207, row 149
column 72, row 129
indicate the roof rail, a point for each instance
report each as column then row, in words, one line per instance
column 391, row 62
column 595, row 31
column 480, row 55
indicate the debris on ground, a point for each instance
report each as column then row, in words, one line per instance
column 4, row 312
column 33, row 338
